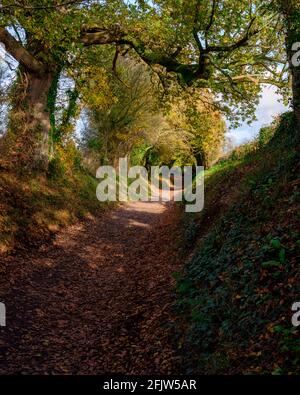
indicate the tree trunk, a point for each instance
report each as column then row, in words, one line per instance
column 296, row 94
column 295, row 72
column 291, row 12
column 26, row 143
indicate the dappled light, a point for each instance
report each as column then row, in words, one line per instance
column 137, row 236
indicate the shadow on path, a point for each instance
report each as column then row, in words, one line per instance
column 98, row 299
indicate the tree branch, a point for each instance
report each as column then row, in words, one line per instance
column 240, row 43
column 15, row 49
column 40, row 7
column 98, row 35
column 211, row 20
column 195, row 31
column 187, row 71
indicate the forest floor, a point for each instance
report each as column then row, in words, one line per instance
column 97, row 299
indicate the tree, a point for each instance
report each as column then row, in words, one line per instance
column 117, row 125
column 225, row 46
column 290, row 9
column 184, row 129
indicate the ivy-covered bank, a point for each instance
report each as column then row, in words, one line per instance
column 235, row 296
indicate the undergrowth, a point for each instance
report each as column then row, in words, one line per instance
column 236, row 293
column 34, row 207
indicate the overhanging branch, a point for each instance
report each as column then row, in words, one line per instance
column 97, row 35
column 15, row 49
column 243, row 41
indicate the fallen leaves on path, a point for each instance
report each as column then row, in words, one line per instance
column 97, row 300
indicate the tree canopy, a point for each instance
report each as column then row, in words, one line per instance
column 223, row 47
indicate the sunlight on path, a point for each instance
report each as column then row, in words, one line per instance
column 98, row 299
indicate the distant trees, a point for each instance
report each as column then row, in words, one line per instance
column 206, row 126
column 114, row 128
column 182, row 129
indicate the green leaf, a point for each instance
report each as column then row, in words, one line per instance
column 269, row 264
column 277, row 372
column 275, row 243
column 282, row 258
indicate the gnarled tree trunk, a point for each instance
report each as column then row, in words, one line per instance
column 26, row 143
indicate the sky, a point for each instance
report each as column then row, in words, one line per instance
column 267, row 109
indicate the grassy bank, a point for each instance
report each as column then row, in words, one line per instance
column 236, row 293
column 33, row 208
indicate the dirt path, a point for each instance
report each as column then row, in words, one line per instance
column 97, row 300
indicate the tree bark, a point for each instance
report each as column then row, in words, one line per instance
column 26, row 143
column 291, row 12
column 296, row 93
